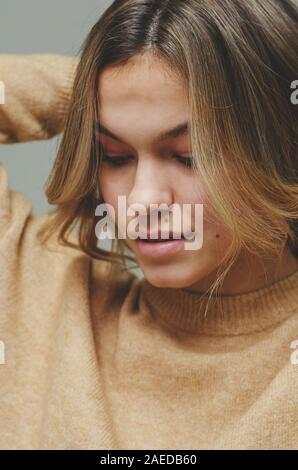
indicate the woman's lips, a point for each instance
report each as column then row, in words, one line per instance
column 159, row 248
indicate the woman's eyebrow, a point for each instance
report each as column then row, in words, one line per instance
column 177, row 131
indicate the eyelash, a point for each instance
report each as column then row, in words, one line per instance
column 119, row 160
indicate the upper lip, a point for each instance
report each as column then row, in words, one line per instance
column 161, row 235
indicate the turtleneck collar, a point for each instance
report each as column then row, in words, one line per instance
column 229, row 315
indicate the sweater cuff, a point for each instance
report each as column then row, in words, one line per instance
column 65, row 90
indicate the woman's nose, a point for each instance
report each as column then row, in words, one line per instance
column 151, row 186
column 148, row 197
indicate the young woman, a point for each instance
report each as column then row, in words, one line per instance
column 173, row 102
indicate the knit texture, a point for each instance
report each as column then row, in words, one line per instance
column 92, row 362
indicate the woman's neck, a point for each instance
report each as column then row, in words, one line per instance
column 250, row 273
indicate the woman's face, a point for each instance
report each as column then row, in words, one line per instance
column 138, row 103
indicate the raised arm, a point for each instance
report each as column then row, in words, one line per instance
column 37, row 89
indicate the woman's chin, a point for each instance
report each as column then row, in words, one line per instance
column 174, row 279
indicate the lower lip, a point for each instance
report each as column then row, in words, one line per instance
column 159, row 249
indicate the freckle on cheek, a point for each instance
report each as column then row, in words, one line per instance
column 217, row 236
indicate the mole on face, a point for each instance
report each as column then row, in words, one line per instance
column 217, row 236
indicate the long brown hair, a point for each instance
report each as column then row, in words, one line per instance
column 238, row 59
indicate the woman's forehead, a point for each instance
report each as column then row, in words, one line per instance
column 146, row 80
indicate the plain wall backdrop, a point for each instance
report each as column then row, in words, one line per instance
column 40, row 26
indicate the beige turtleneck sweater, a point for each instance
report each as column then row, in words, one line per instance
column 90, row 363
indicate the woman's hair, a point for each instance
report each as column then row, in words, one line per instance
column 238, row 59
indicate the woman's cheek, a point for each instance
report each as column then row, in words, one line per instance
column 215, row 235
column 110, row 187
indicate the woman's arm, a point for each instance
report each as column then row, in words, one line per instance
column 37, row 89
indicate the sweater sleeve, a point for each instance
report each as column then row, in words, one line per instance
column 36, row 89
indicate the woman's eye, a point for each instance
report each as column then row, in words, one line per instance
column 116, row 160
column 186, row 161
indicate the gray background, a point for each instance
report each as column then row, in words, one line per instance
column 40, row 26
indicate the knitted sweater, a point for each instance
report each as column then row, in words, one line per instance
column 88, row 362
